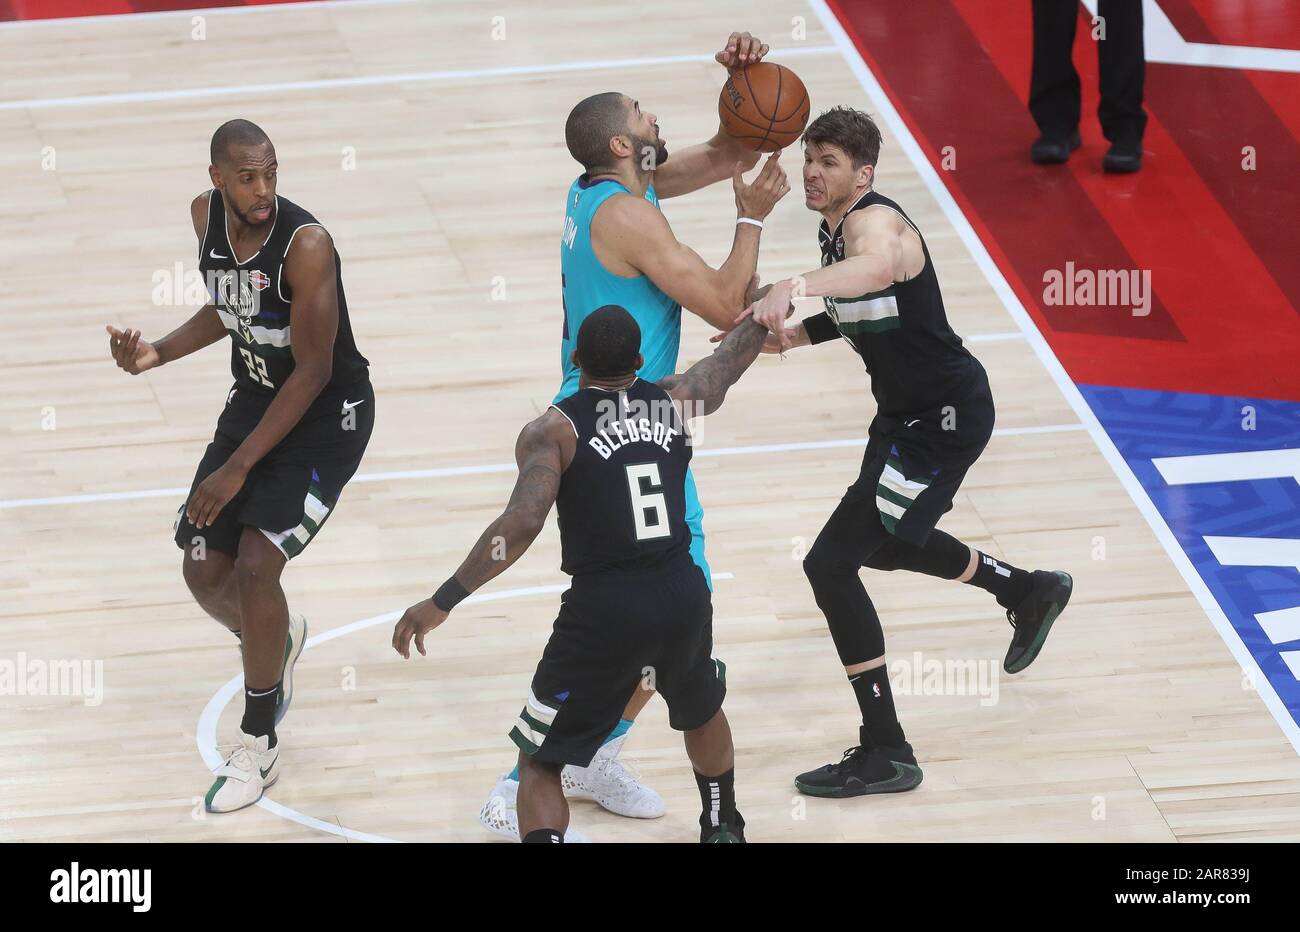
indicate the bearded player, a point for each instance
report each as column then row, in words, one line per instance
column 934, row 415
column 291, row 435
column 619, row 249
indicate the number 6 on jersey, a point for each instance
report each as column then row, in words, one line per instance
column 648, row 503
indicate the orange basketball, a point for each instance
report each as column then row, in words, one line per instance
column 765, row 106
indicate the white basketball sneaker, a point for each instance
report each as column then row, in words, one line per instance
column 612, row 785
column 245, row 775
column 293, row 646
column 500, row 817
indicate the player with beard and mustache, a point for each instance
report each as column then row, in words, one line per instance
column 618, row 249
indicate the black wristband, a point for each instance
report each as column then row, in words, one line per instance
column 820, row 328
column 449, row 594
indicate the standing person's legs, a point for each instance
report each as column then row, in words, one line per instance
column 1122, row 62
column 1054, row 91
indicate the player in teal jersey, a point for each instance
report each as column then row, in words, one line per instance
column 617, row 248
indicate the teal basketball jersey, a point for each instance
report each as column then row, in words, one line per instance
column 586, row 285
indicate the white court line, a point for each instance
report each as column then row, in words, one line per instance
column 1053, row 366
column 443, row 472
column 208, row 11
column 994, row 337
column 205, row 735
column 1164, row 44
column 374, row 80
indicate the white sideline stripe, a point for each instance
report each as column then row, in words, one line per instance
column 1165, row 45
column 373, row 80
column 993, row 337
column 209, row 11
column 447, row 471
column 1054, row 368
column 205, row 735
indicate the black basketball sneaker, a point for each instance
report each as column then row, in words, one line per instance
column 1034, row 616
column 723, row 834
column 864, row 770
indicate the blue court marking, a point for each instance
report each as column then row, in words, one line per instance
column 1224, row 473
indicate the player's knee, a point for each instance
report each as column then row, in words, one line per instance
column 822, row 567
column 257, row 565
column 204, row 577
column 887, row 556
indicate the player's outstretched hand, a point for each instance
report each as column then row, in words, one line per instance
column 756, row 199
column 772, row 311
column 741, row 49
column 131, row 353
column 416, row 621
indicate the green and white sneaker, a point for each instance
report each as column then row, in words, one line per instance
column 245, row 775
column 293, row 645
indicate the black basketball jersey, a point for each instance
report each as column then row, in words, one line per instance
column 915, row 360
column 253, row 299
column 622, row 501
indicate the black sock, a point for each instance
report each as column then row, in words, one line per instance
column 876, row 700
column 544, row 836
column 259, row 713
column 717, row 797
column 1008, row 584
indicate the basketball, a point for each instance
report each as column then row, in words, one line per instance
column 764, row 106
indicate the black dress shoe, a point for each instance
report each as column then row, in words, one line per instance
column 1048, row 150
column 1123, row 157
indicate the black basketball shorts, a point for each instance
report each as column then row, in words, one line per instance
column 293, row 490
column 616, row 632
column 914, row 464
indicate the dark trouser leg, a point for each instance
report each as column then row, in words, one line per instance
column 1054, row 84
column 1123, row 71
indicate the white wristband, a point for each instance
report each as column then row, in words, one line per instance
column 757, row 223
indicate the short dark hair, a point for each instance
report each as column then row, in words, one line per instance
column 235, row 133
column 609, row 341
column 851, row 130
column 591, row 125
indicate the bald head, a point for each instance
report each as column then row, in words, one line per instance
column 609, row 343
column 590, row 126
column 235, row 134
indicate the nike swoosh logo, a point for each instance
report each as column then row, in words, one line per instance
column 266, row 771
column 213, row 254
column 910, row 423
column 347, row 405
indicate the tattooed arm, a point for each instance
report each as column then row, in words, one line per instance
column 708, row 380
column 544, row 450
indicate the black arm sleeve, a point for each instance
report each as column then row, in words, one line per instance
column 820, row 328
